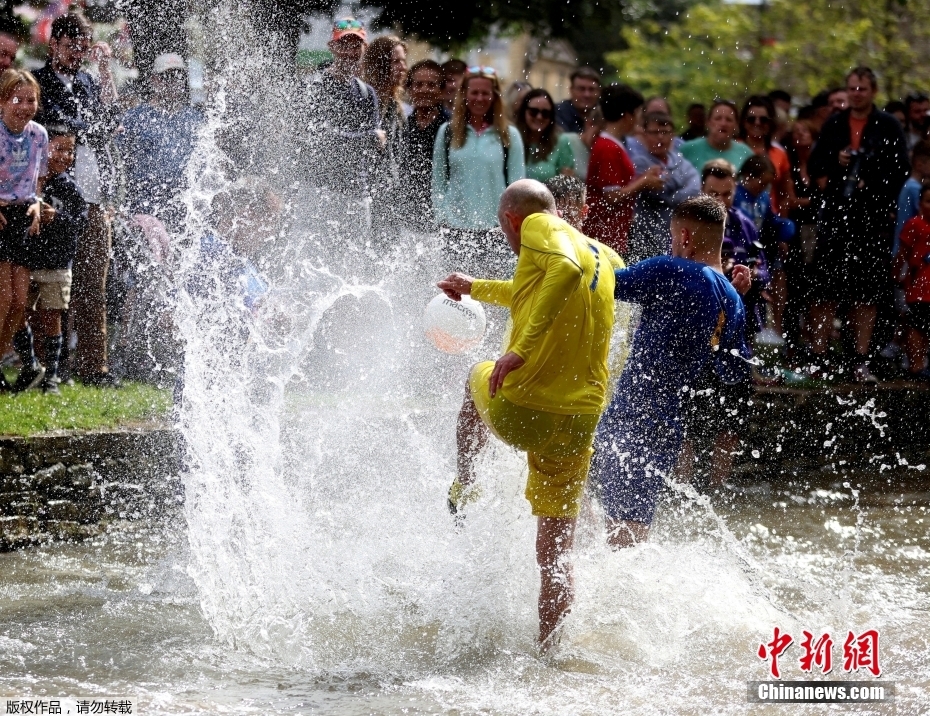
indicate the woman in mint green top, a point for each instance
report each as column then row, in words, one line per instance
column 548, row 152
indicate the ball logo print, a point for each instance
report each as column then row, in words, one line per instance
column 454, row 326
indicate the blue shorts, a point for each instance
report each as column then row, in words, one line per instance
column 629, row 467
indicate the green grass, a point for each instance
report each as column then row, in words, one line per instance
column 81, row 408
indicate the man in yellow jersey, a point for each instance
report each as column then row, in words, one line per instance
column 546, row 393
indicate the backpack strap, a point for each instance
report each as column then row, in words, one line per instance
column 506, row 148
column 447, row 143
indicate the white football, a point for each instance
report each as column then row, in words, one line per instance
column 454, row 326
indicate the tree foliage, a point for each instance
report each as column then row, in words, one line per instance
column 725, row 50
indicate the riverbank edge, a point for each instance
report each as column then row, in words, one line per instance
column 71, row 485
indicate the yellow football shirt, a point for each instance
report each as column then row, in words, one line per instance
column 561, row 301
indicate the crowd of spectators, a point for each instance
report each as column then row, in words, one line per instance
column 827, row 201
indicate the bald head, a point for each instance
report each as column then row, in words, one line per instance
column 525, row 197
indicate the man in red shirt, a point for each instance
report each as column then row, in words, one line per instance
column 612, row 189
column 915, row 255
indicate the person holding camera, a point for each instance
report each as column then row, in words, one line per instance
column 860, row 162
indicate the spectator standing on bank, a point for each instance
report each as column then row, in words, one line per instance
column 157, row 140
column 916, row 109
column 424, row 87
column 722, row 124
column 584, row 91
column 650, row 233
column 73, row 96
column 384, row 68
column 909, row 197
column 453, row 74
column 9, row 46
column 655, row 105
column 545, row 146
column 757, row 131
column 803, row 213
column 697, row 122
column 897, row 109
column 341, row 133
column 861, row 160
column 612, row 183
column 913, row 263
column 741, row 245
column 52, row 250
column 23, row 159
column 477, row 154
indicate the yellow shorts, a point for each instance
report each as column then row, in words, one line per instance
column 558, row 447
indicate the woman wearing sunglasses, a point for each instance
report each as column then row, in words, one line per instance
column 545, row 147
column 476, row 155
column 757, row 129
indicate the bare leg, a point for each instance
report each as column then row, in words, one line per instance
column 6, row 301
column 725, row 445
column 862, row 320
column 554, row 539
column 821, row 325
column 626, row 533
column 471, row 435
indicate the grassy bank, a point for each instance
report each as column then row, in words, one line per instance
column 81, row 408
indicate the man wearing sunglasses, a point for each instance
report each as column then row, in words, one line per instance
column 340, row 130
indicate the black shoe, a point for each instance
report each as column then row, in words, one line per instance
column 29, row 377
column 50, row 385
column 101, row 380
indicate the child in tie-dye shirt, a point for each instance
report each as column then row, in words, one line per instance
column 23, row 159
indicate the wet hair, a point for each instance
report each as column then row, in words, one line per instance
column 13, row 78
column 73, row 26
column 719, row 169
column 660, row 119
column 780, row 95
column 758, row 100
column 527, row 196
column 702, row 209
column 921, row 150
column 618, row 100
column 585, row 73
column 756, row 167
column 566, row 189
column 550, row 135
column 863, row 71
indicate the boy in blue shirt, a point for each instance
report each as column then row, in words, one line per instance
column 692, row 318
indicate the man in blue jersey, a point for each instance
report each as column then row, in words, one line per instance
column 692, row 318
